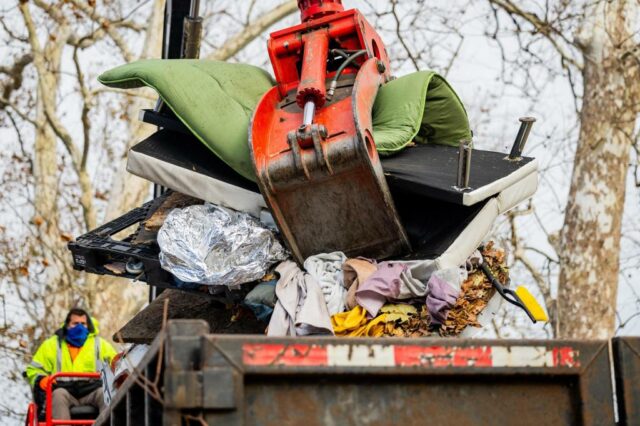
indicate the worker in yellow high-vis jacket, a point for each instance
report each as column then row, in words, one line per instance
column 76, row 348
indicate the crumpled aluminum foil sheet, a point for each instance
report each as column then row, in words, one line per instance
column 212, row 245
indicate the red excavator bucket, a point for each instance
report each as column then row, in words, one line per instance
column 313, row 148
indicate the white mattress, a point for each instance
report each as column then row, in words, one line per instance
column 195, row 184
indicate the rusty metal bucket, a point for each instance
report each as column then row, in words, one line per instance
column 333, row 195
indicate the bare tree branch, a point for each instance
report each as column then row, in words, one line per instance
column 410, row 55
column 14, row 72
column 49, row 108
column 253, row 30
column 541, row 26
column 86, row 107
column 520, row 256
column 108, row 27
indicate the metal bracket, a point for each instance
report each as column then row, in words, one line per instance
column 464, row 165
column 319, row 134
column 292, row 140
column 211, row 388
column 316, row 134
column 521, row 139
column 220, row 386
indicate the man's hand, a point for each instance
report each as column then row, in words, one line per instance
column 44, row 382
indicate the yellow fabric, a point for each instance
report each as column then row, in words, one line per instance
column 354, row 323
column 398, row 311
column 45, row 359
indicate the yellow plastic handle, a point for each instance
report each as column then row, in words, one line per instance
column 532, row 304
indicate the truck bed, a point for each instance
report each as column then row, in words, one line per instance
column 193, row 377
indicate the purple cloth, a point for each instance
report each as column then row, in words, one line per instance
column 381, row 286
column 440, row 299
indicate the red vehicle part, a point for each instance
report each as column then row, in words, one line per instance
column 32, row 411
column 313, row 148
column 312, row 9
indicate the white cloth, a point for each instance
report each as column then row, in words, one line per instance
column 326, row 269
column 452, row 276
column 413, row 282
column 300, row 309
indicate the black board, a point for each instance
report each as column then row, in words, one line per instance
column 431, row 170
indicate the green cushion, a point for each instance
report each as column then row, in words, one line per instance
column 213, row 99
column 419, row 107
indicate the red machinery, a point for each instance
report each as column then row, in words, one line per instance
column 312, row 138
column 32, row 411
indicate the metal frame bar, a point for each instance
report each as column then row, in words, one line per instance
column 172, row 43
column 626, row 357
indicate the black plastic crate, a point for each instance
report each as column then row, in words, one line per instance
column 95, row 250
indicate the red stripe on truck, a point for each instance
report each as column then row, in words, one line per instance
column 379, row 355
column 279, row 354
column 443, row 356
column 566, row 357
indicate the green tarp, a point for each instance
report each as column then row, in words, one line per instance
column 215, row 100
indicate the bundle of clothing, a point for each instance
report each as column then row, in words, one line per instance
column 334, row 295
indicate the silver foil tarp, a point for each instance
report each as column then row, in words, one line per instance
column 212, row 245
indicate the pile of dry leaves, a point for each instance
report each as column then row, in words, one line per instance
column 474, row 296
column 476, row 292
column 416, row 325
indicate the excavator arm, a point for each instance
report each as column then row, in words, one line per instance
column 311, row 137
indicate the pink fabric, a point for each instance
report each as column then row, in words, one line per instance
column 381, row 286
column 384, row 285
column 356, row 271
column 440, row 299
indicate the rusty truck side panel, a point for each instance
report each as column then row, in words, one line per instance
column 192, row 377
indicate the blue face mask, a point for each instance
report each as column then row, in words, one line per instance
column 77, row 335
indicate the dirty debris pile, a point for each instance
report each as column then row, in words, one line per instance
column 392, row 298
column 209, row 247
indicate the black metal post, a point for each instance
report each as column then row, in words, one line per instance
column 521, row 139
column 464, row 165
column 175, row 43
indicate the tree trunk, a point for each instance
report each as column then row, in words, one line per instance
column 588, row 281
column 48, row 243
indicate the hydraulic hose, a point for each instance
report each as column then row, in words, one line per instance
column 345, row 64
